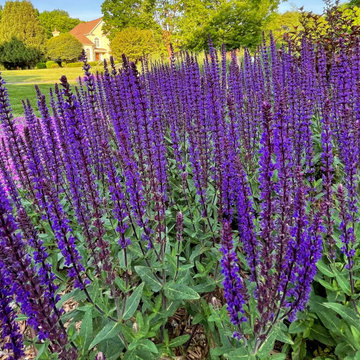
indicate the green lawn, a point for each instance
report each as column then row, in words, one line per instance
column 20, row 84
column 36, row 76
column 23, row 92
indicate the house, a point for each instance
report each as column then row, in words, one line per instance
column 95, row 43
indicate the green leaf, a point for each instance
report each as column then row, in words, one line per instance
column 297, row 327
column 180, row 292
column 133, row 302
column 109, row 331
column 127, row 332
column 86, row 330
column 278, row 356
column 343, row 282
column 218, row 351
column 239, row 354
column 284, row 337
column 328, row 318
column 356, row 334
column 205, row 287
column 299, row 348
column 319, row 333
column 343, row 349
column 179, row 340
column 146, row 344
column 325, row 284
column 148, row 277
column 267, row 345
column 132, row 355
column 41, row 350
column 346, row 313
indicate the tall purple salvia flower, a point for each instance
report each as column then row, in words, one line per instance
column 346, row 227
column 266, row 170
column 234, row 288
column 303, row 252
column 13, row 138
column 327, row 159
column 246, row 221
column 10, row 331
column 51, row 141
column 80, row 146
column 27, row 285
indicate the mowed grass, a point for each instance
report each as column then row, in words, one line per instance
column 35, row 76
column 17, row 93
column 20, row 84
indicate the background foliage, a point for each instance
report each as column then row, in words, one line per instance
column 137, row 43
column 118, row 15
column 235, row 24
column 58, row 19
column 19, row 19
column 64, row 47
column 14, row 54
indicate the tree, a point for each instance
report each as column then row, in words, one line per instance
column 14, row 54
column 64, row 47
column 281, row 24
column 355, row 3
column 135, row 43
column 119, row 15
column 19, row 20
column 58, row 19
column 188, row 23
column 235, row 23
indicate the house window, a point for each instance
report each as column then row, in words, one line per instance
column 88, row 54
column 97, row 42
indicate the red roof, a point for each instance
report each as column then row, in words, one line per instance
column 82, row 29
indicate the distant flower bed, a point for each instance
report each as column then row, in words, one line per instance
column 186, row 204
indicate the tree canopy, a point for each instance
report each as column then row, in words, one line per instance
column 188, row 23
column 280, row 24
column 119, row 15
column 14, row 54
column 135, row 43
column 64, row 47
column 354, row 3
column 58, row 19
column 19, row 19
column 233, row 23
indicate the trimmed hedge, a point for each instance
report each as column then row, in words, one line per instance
column 75, row 64
column 51, row 64
column 40, row 65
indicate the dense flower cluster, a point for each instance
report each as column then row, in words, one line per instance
column 239, row 137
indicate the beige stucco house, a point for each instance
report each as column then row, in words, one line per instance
column 95, row 43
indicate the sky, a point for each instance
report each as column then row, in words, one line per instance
column 315, row 6
column 83, row 9
column 91, row 9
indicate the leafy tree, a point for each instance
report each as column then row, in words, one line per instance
column 188, row 23
column 58, row 19
column 14, row 54
column 19, row 20
column 135, row 43
column 354, row 3
column 233, row 23
column 119, row 15
column 64, row 47
column 282, row 24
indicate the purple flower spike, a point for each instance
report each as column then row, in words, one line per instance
column 234, row 289
column 10, row 331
